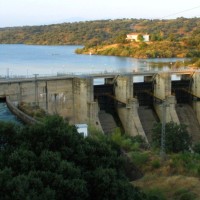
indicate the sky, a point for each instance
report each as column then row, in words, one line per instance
column 42, row 12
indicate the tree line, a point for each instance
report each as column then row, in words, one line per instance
column 102, row 31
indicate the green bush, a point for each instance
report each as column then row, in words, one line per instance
column 155, row 164
column 196, row 148
column 129, row 143
column 184, row 194
column 155, row 194
column 177, row 138
column 139, row 158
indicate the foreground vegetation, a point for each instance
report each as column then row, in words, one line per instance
column 52, row 161
column 175, row 176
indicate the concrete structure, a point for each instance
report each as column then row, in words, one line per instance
column 69, row 97
column 21, row 115
column 129, row 114
column 134, row 37
column 73, row 97
column 162, row 91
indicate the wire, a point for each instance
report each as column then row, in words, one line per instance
column 180, row 12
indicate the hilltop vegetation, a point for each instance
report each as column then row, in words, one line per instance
column 94, row 32
column 103, row 31
column 168, row 38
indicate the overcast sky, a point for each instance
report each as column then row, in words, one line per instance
column 40, row 12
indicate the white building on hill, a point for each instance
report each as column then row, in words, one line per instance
column 134, row 36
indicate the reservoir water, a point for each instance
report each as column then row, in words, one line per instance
column 6, row 115
column 26, row 60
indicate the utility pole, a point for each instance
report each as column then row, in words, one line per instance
column 7, row 73
column 46, row 91
column 36, row 89
column 162, row 152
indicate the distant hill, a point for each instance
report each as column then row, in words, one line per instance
column 66, row 33
column 181, row 35
column 99, row 31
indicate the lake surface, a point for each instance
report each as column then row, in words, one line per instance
column 49, row 60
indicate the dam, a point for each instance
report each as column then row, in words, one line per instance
column 133, row 106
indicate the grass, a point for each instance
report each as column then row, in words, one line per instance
column 171, row 187
column 175, row 178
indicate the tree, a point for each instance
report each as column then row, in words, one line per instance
column 196, row 148
column 121, row 38
column 140, row 37
column 177, row 138
column 53, row 161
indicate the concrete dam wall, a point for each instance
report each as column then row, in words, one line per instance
column 75, row 98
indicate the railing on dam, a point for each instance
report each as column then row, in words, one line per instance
column 98, row 74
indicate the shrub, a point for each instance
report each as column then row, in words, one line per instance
column 196, row 148
column 177, row 138
column 156, row 194
column 155, row 164
column 139, row 158
column 128, row 143
column 183, row 194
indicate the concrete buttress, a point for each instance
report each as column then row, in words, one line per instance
column 129, row 113
column 162, row 91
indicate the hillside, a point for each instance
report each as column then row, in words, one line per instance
column 99, row 31
column 168, row 38
column 66, row 33
column 156, row 49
